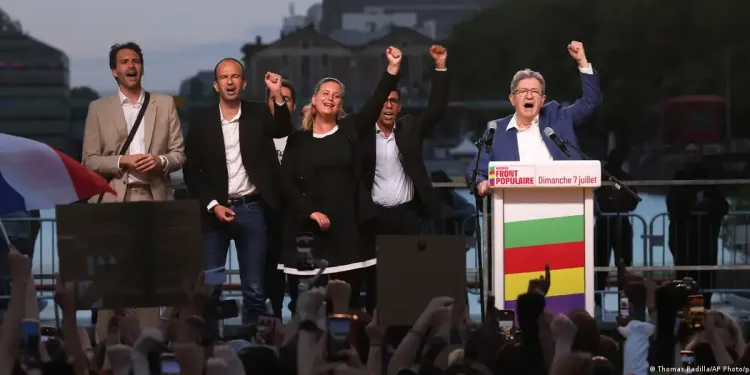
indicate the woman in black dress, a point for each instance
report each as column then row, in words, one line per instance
column 322, row 186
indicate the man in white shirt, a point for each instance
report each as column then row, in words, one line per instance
column 520, row 137
column 157, row 148
column 394, row 167
column 233, row 170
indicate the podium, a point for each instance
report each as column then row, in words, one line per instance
column 544, row 214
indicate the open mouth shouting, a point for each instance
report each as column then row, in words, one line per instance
column 388, row 115
column 132, row 75
column 231, row 91
column 328, row 105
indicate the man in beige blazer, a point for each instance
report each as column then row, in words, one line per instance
column 157, row 149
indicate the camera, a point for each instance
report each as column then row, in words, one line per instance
column 305, row 244
column 306, row 261
column 340, row 334
column 691, row 303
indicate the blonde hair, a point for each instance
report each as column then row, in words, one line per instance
column 309, row 117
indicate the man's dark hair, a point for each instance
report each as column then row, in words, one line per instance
column 216, row 68
column 288, row 84
column 118, row 47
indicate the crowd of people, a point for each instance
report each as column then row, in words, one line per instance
column 658, row 337
column 341, row 180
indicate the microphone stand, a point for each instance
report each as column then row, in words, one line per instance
column 474, row 189
column 619, row 185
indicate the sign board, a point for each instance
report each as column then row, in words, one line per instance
column 553, row 175
column 135, row 254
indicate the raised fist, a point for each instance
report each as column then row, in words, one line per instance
column 438, row 53
column 394, row 55
column 273, row 82
column 575, row 49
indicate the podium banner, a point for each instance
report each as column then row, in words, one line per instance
column 549, row 232
column 543, row 214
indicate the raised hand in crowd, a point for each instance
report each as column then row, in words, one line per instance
column 19, row 266
column 542, row 284
column 73, row 342
column 723, row 334
column 376, row 334
column 563, row 332
column 437, row 313
column 347, row 363
column 310, row 304
column 339, row 293
column 188, row 353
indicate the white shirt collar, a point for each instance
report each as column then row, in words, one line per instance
column 124, row 99
column 512, row 124
column 234, row 119
column 379, row 131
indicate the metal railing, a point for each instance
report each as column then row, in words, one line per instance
column 650, row 239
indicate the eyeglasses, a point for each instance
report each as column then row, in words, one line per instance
column 393, row 101
column 524, row 92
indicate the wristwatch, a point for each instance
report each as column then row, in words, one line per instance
column 308, row 326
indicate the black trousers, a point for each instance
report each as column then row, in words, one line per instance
column 275, row 282
column 606, row 242
column 397, row 220
column 274, row 279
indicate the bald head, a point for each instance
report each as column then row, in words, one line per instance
column 225, row 61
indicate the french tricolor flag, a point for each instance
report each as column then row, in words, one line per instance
column 34, row 176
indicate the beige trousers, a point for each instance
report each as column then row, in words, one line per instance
column 148, row 317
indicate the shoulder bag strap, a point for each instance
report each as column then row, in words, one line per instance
column 131, row 134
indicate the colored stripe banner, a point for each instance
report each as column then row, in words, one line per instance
column 563, row 282
column 557, row 242
column 544, row 231
column 534, row 258
column 558, row 304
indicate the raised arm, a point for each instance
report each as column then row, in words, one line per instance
column 438, row 94
column 591, row 97
column 368, row 115
column 279, row 125
column 93, row 150
column 174, row 159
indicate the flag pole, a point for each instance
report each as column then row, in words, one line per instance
column 5, row 233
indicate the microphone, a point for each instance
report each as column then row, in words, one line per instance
column 560, row 144
column 488, row 135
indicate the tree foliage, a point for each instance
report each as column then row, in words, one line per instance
column 645, row 50
column 84, row 92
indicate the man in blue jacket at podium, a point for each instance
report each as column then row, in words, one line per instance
column 521, row 137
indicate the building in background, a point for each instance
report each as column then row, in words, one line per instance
column 356, row 58
column 34, row 87
column 296, row 21
column 80, row 98
column 442, row 15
